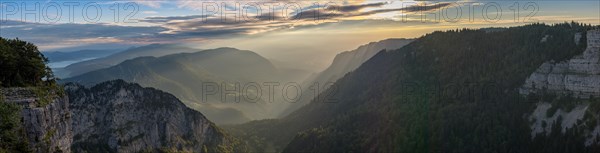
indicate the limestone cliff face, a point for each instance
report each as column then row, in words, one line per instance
column 116, row 116
column 47, row 126
column 568, row 118
column 579, row 75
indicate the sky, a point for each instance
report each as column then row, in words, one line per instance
column 307, row 33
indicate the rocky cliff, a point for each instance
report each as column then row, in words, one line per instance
column 46, row 122
column 116, row 116
column 580, row 75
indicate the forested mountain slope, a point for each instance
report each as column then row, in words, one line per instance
column 342, row 63
column 452, row 91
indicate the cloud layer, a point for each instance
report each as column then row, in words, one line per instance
column 247, row 21
column 240, row 20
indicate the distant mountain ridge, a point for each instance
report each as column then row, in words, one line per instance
column 350, row 60
column 343, row 63
column 185, row 74
column 59, row 56
column 154, row 50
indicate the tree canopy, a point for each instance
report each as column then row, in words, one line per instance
column 22, row 64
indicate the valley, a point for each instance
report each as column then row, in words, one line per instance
column 529, row 88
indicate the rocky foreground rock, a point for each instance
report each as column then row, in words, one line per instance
column 47, row 126
column 116, row 116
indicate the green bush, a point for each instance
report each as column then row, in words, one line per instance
column 11, row 131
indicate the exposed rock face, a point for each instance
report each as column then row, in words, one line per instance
column 116, row 116
column 577, row 38
column 579, row 75
column 47, row 127
column 568, row 119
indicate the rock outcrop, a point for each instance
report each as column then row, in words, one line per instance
column 46, row 122
column 116, row 116
column 568, row 119
column 579, row 75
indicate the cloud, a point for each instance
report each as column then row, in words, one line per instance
column 425, row 8
column 353, row 11
column 209, row 19
column 149, row 12
column 209, row 26
column 74, row 34
column 165, row 19
column 73, row 30
column 149, row 3
column 353, row 8
column 317, row 14
column 165, row 29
